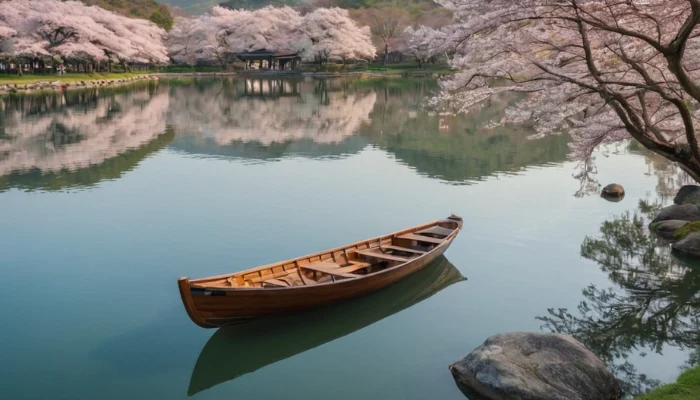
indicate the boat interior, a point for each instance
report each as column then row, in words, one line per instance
column 348, row 262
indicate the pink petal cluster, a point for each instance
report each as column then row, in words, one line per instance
column 73, row 30
column 216, row 36
column 604, row 70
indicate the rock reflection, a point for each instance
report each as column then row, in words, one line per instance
column 655, row 303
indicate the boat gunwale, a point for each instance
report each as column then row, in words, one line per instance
column 446, row 241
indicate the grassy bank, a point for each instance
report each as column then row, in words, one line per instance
column 687, row 387
column 411, row 67
column 70, row 77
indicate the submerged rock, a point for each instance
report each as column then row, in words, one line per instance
column 613, row 190
column 542, row 366
column 667, row 229
column 688, row 194
column 690, row 245
column 683, row 212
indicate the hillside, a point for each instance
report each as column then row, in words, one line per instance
column 419, row 11
column 146, row 9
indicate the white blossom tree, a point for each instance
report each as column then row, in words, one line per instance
column 331, row 33
column 72, row 30
column 214, row 37
column 604, row 70
column 422, row 43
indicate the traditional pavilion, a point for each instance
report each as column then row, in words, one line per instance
column 269, row 59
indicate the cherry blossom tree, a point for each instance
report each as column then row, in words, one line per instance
column 331, row 33
column 72, row 30
column 216, row 36
column 319, row 35
column 423, row 43
column 604, row 70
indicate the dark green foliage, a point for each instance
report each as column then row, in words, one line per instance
column 162, row 18
column 255, row 4
column 656, row 302
column 144, row 9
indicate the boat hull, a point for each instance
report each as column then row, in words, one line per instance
column 215, row 307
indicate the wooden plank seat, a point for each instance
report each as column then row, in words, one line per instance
column 353, row 267
column 329, row 269
column 404, row 249
column 381, row 256
column 275, row 282
column 436, row 230
column 420, row 238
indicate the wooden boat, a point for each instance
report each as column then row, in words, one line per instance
column 236, row 350
column 317, row 279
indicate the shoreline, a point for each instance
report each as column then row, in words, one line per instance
column 54, row 83
column 59, row 85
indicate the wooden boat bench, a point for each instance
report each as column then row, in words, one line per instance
column 329, row 269
column 381, row 256
column 404, row 249
column 436, row 230
column 420, row 238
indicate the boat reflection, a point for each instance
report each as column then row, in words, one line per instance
column 236, row 350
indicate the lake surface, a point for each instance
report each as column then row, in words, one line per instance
column 107, row 197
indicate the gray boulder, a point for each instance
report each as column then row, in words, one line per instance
column 534, row 366
column 690, row 245
column 688, row 194
column 683, row 212
column 666, row 229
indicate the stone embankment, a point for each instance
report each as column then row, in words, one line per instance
column 60, row 85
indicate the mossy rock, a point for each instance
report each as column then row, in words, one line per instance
column 687, row 229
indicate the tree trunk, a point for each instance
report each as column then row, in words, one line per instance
column 386, row 54
column 19, row 68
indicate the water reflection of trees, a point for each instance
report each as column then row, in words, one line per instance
column 78, row 138
column 270, row 112
column 670, row 177
column 60, row 140
column 269, row 118
column 656, row 301
column 457, row 149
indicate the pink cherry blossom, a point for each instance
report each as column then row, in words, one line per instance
column 604, row 70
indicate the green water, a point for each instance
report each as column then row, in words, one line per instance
column 107, row 197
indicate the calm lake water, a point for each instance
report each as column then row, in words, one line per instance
column 107, row 197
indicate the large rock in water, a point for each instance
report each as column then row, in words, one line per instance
column 613, row 190
column 535, row 366
column 683, row 212
column 667, row 229
column 689, row 245
column 688, row 194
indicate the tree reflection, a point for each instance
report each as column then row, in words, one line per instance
column 50, row 141
column 656, row 302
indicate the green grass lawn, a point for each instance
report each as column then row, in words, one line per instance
column 687, row 387
column 69, row 77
